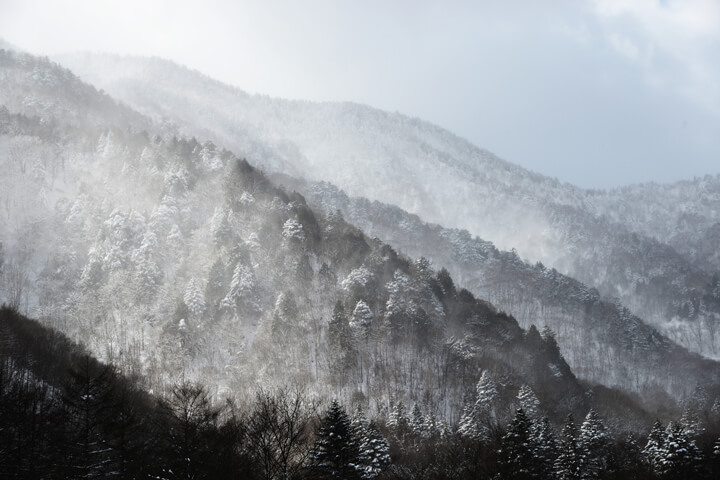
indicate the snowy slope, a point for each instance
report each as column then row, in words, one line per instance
column 591, row 236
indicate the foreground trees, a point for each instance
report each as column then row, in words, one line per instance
column 67, row 415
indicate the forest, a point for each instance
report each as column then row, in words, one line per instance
column 65, row 414
column 172, row 310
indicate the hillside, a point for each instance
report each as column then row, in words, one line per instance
column 602, row 341
column 173, row 259
column 444, row 179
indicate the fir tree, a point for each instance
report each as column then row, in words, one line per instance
column 653, row 451
column 680, row 457
column 529, row 402
column 594, row 446
column 374, row 454
column 336, row 453
column 568, row 463
column 546, row 447
column 194, row 298
column 518, row 449
column 477, row 419
column 398, row 422
column 417, row 421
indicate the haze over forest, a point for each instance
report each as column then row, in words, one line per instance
column 266, row 241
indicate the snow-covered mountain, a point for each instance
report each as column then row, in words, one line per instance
column 601, row 340
column 661, row 267
column 175, row 259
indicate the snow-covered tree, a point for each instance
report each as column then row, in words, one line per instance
column 336, row 453
column 594, row 446
column 477, row 418
column 517, row 450
column 690, row 422
column 680, row 457
column 362, row 316
column 220, row 227
column 292, row 231
column 147, row 272
column 398, row 422
column 374, row 454
column 546, row 447
column 653, row 451
column 242, row 295
column 529, row 402
column 568, row 465
column 194, row 298
column 417, row 421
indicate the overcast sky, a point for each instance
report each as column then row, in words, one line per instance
column 597, row 93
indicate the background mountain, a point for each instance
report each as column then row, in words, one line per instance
column 661, row 267
column 174, row 260
column 602, row 341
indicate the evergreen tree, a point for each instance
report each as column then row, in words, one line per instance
column 517, row 449
column 343, row 349
column 594, row 446
column 653, row 451
column 680, row 457
column 336, row 453
column 690, row 421
column 477, row 419
column 398, row 422
column 194, row 298
column 374, row 454
column 546, row 447
column 568, row 463
column 529, row 402
column 417, row 421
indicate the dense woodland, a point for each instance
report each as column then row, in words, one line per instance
column 653, row 247
column 64, row 414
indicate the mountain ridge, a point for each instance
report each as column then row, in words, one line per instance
column 356, row 147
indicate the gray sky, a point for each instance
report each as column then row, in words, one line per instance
column 598, row 93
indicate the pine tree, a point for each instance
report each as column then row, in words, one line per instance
column 477, row 419
column 374, row 452
column 469, row 426
column 417, row 421
column 568, row 463
column 242, row 296
column 546, row 447
column 680, row 458
column 529, row 402
column 517, row 451
column 690, row 422
column 653, row 451
column 594, row 446
column 398, row 422
column 194, row 298
column 361, row 318
column 336, row 453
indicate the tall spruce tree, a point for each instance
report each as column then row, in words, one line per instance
column 517, row 449
column 568, row 463
column 680, row 458
column 374, row 456
column 546, row 447
column 336, row 453
column 653, row 451
column 594, row 447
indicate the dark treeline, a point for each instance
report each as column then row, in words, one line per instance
column 64, row 414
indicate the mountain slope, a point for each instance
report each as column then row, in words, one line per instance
column 430, row 172
column 602, row 341
column 174, row 259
